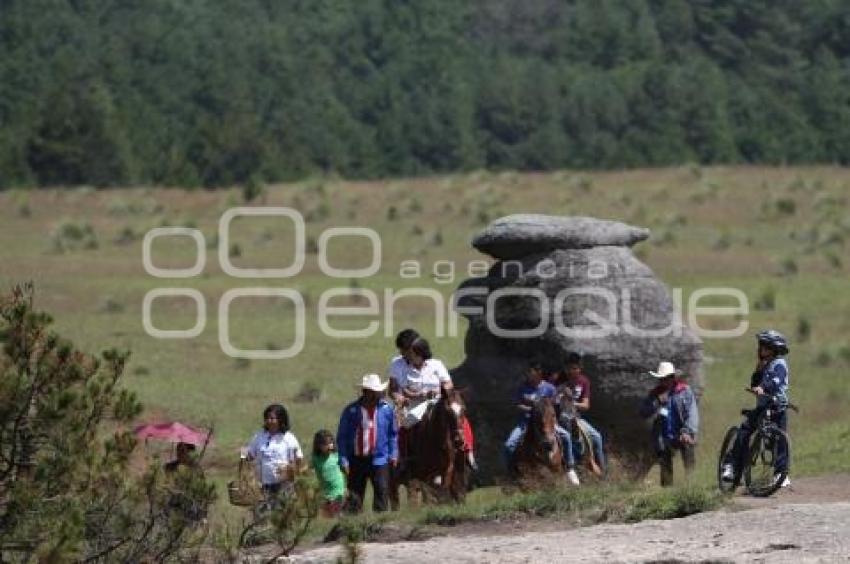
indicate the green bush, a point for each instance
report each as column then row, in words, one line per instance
column 672, row 503
column 786, row 206
column 766, row 300
column 252, row 189
column 804, row 329
column 73, row 495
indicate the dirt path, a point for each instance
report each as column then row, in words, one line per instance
column 809, row 523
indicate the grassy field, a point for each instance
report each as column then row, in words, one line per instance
column 778, row 234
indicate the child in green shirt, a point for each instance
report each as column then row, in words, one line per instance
column 326, row 464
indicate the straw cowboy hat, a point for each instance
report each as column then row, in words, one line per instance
column 373, row 382
column 664, row 369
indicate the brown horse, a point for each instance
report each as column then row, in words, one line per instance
column 539, row 459
column 435, row 463
column 569, row 420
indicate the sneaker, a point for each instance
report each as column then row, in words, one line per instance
column 786, row 482
column 728, row 473
column 573, row 477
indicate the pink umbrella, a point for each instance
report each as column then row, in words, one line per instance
column 174, row 432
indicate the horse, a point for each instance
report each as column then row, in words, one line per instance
column 569, row 419
column 435, row 461
column 539, row 458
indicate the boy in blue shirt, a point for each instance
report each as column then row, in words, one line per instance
column 770, row 383
column 534, row 388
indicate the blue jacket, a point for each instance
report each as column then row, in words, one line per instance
column 773, row 379
column 386, row 440
column 680, row 413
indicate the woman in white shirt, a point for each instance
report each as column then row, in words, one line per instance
column 275, row 450
column 418, row 378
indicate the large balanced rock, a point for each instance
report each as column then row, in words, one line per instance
column 572, row 285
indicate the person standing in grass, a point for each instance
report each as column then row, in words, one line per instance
column 276, row 451
column 325, row 462
column 367, row 438
column 673, row 405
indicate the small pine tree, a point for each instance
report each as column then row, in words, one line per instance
column 65, row 478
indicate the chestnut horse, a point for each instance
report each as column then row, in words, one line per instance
column 435, row 462
column 539, row 458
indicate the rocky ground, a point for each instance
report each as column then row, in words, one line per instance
column 808, row 523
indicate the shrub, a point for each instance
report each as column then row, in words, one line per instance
column 415, row 206
column 437, row 238
column 696, row 171
column 766, row 300
column 24, row 210
column 786, row 206
column 392, row 213
column 111, row 305
column 788, row 267
column 844, row 353
column 823, row 359
column 312, row 247
column 309, row 393
column 235, row 250
column 672, row 504
column 665, row 238
column 125, row 236
column 416, row 230
column 253, row 189
column 584, row 184
column 71, row 235
column 75, row 497
column 722, row 242
column 319, row 213
column 833, row 260
column 804, row 329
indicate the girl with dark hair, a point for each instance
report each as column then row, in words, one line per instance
column 325, row 462
column 276, row 450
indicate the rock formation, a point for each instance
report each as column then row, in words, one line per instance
column 572, row 284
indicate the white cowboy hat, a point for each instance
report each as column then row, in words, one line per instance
column 373, row 382
column 664, row 369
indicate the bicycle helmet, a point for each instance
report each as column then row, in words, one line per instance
column 774, row 340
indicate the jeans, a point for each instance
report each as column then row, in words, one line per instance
column 516, row 437
column 665, row 460
column 596, row 442
column 742, row 441
column 360, row 470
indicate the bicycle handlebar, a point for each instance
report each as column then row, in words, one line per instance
column 790, row 405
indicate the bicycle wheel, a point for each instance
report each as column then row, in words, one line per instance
column 760, row 476
column 727, row 486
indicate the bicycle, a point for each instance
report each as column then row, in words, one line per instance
column 766, row 443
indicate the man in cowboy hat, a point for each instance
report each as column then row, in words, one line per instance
column 367, row 441
column 676, row 419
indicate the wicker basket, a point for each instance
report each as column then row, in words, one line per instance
column 244, row 491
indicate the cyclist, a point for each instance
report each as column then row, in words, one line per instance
column 770, row 383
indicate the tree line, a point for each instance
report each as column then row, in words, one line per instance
column 217, row 92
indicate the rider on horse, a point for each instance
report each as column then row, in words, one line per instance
column 416, row 379
column 576, row 388
column 534, row 388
